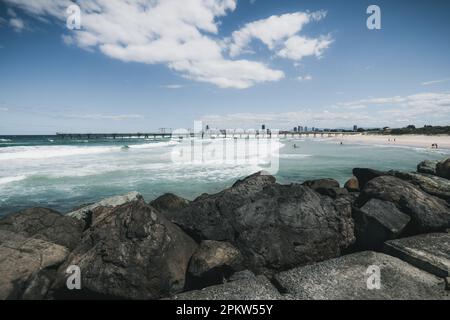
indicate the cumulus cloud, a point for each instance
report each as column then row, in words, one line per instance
column 422, row 108
column 281, row 34
column 179, row 33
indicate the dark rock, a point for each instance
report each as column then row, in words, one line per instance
column 251, row 288
column 321, row 184
column 346, row 278
column 210, row 216
column 376, row 222
column 26, row 265
column 45, row 224
column 443, row 169
column 130, row 251
column 212, row 262
column 332, row 192
column 352, row 184
column 286, row 226
column 213, row 256
column 326, row 187
column 169, row 202
column 429, row 252
column 433, row 185
column 364, row 175
column 427, row 166
column 428, row 213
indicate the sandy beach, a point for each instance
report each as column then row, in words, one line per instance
column 419, row 141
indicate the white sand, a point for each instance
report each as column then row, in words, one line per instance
column 420, row 141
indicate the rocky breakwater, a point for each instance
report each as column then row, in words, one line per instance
column 255, row 240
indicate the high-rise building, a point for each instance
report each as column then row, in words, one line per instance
column 306, row 129
column 355, row 128
column 263, row 127
column 295, row 129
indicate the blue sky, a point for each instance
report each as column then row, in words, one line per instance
column 136, row 66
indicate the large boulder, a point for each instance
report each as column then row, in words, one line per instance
column 212, row 262
column 85, row 213
column 376, row 222
column 427, row 166
column 443, row 169
column 347, row 278
column 210, row 216
column 364, row 175
column 27, row 265
column 428, row 213
column 45, row 224
column 130, row 251
column 286, row 226
column 274, row 226
column 430, row 252
column 433, row 185
column 168, row 203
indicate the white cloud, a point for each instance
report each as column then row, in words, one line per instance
column 280, row 34
column 179, row 33
column 297, row 47
column 17, row 24
column 4, row 109
column 172, row 86
column 427, row 83
column 423, row 108
column 304, row 78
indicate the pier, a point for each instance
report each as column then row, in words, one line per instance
column 217, row 134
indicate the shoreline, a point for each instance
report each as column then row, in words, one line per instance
column 419, row 141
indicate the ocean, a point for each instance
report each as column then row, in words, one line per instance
column 61, row 174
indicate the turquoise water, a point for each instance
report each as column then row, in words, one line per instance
column 62, row 174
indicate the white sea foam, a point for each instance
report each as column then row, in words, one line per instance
column 294, row 156
column 5, row 140
column 6, row 180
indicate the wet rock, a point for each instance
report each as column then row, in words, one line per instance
column 85, row 213
column 347, row 277
column 428, row 213
column 427, row 166
column 27, row 265
column 443, row 169
column 429, row 252
column 364, row 175
column 378, row 221
column 45, row 224
column 352, row 184
column 130, row 251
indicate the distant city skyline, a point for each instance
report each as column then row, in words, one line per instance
column 140, row 66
